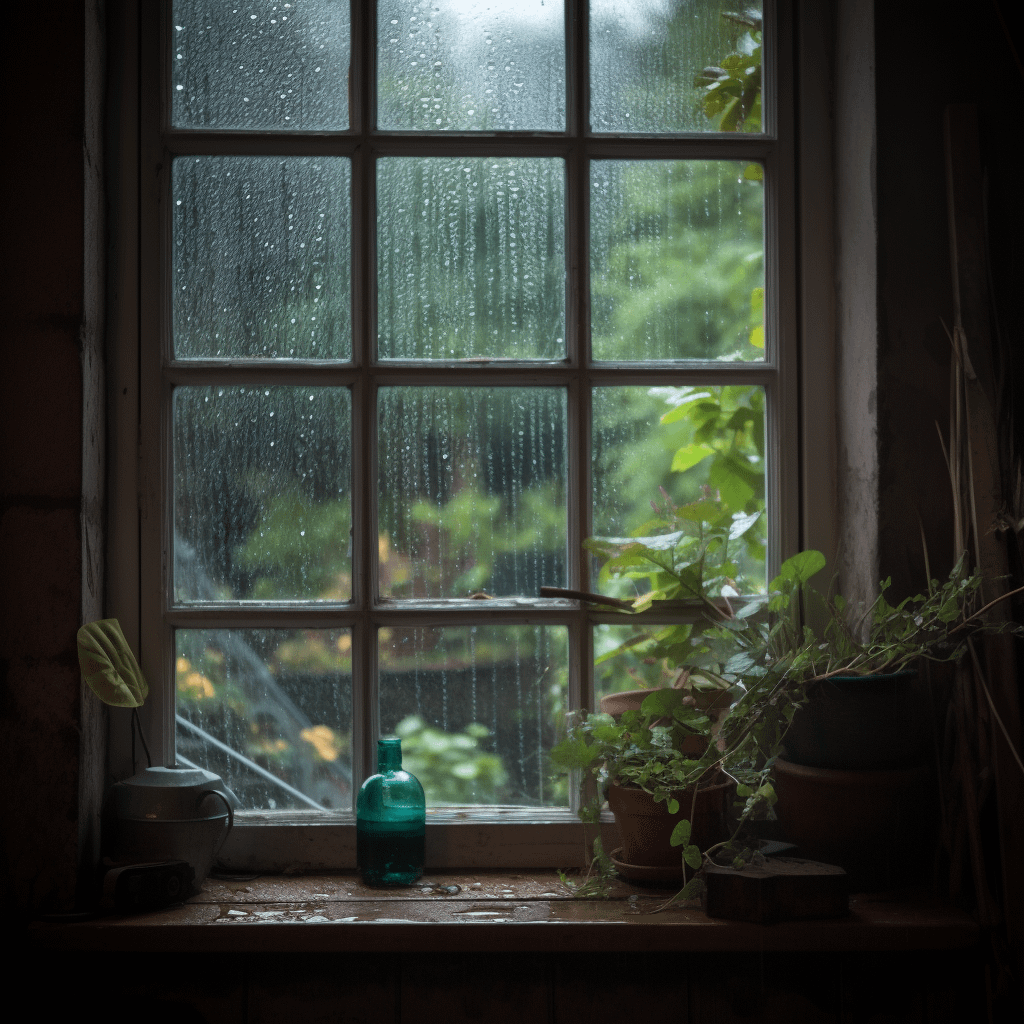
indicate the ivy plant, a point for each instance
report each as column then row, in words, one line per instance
column 759, row 650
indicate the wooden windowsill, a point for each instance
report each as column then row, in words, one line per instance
column 492, row 911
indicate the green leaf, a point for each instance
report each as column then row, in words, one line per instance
column 672, row 805
column 757, row 337
column 108, row 665
column 754, row 172
column 680, row 405
column 688, row 456
column 661, row 702
column 741, row 523
column 950, row 610
column 735, row 491
column 681, row 834
column 692, row 856
column 730, row 114
column 693, row 888
column 798, row 569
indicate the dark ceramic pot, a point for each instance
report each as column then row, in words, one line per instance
column 879, row 825
column 861, row 722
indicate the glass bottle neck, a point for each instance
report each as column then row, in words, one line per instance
column 389, row 754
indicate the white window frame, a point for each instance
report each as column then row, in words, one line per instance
column 798, row 370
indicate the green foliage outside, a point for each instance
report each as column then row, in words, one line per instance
column 299, row 546
column 731, row 97
column 451, row 767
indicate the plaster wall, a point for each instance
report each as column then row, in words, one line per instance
column 50, row 512
column 856, row 306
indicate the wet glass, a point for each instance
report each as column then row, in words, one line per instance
column 476, row 708
column 261, row 258
column 471, row 65
column 678, row 444
column 677, row 260
column 260, row 65
column 651, row 63
column 471, row 258
column 472, row 491
column 262, row 508
column 622, row 660
column 270, row 711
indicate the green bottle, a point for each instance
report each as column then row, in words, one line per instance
column 391, row 816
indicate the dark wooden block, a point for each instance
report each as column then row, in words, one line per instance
column 777, row 889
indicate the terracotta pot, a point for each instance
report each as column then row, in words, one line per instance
column 861, row 722
column 627, row 700
column 879, row 825
column 615, row 704
column 646, row 826
column 714, row 702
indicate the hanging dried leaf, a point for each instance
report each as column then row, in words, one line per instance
column 109, row 666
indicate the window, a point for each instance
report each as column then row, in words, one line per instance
column 428, row 293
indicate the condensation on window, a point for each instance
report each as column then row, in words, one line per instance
column 651, row 60
column 471, row 258
column 472, row 491
column 471, row 65
column 260, row 65
column 261, row 257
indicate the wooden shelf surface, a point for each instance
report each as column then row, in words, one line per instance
column 499, row 912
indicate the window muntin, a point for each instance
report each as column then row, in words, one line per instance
column 570, row 372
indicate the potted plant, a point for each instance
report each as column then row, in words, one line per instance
column 160, row 814
column 656, row 752
column 854, row 775
column 656, row 788
column 781, row 674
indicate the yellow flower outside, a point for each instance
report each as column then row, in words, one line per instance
column 324, row 742
column 196, row 685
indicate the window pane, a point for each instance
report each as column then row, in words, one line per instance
column 652, row 62
column 472, row 491
column 677, row 260
column 476, row 707
column 261, row 493
column 471, row 258
column 260, row 64
column 679, row 444
column 471, row 65
column 270, row 711
column 622, row 661
column 261, row 258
